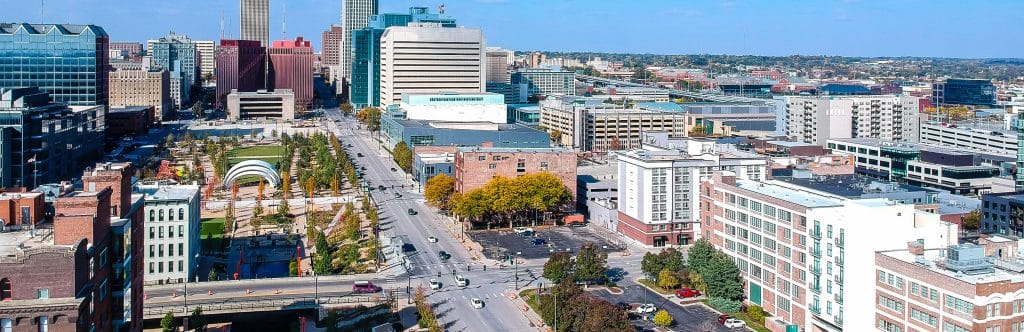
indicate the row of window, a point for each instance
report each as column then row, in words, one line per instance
column 158, row 267
column 159, row 250
column 158, row 214
column 158, row 232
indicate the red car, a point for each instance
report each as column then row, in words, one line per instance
column 723, row 318
column 687, row 292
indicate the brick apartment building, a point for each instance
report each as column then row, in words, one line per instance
column 475, row 166
column 21, row 209
column 95, row 236
column 959, row 288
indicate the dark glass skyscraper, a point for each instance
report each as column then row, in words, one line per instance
column 68, row 61
column 365, row 78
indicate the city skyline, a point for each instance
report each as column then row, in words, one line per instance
column 840, row 27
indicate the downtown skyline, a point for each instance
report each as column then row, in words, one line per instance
column 841, row 27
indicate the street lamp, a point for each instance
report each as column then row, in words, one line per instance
column 515, row 264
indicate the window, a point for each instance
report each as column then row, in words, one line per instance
column 170, row 249
column 950, row 327
column 181, row 249
column 6, row 325
column 43, row 293
column 170, row 232
column 958, row 304
column 890, row 279
column 5, row 290
column 160, row 232
column 161, row 213
column 890, row 303
column 152, row 251
column 992, row 328
column 152, row 267
column 181, row 213
column 44, row 323
column 887, row 326
column 152, row 215
column 923, row 317
column 160, row 267
column 481, row 158
column 992, row 309
column 492, row 166
column 152, row 232
column 181, row 265
column 170, row 214
column 170, row 267
column 181, row 231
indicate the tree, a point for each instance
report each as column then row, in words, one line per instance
column 169, row 140
column 167, row 324
column 667, row 279
column 591, row 263
column 558, row 266
column 651, row 265
column 196, row 320
column 700, row 255
column 723, row 278
column 347, row 109
column 438, row 191
column 756, row 313
column 663, row 318
column 697, row 281
column 403, row 156
column 282, row 209
column 556, row 136
column 370, row 116
column 212, row 276
column 971, row 221
column 293, row 268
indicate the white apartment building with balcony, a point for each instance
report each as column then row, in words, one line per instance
column 425, row 58
column 808, row 256
column 816, row 119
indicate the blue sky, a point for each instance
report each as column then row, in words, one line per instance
column 948, row 28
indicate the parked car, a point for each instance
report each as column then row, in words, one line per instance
column 687, row 292
column 382, row 187
column 646, row 308
column 408, row 247
column 364, row 287
column 443, row 255
column 359, row 154
column 412, row 212
column 624, row 306
column 461, row 281
column 432, row 239
column 723, row 318
column 477, row 303
column 522, row 230
column 397, row 195
column 394, row 170
column 539, row 241
column 734, row 323
column 434, row 284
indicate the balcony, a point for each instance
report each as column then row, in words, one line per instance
column 839, row 260
column 840, row 242
column 816, row 270
column 816, row 252
column 839, row 320
column 816, row 234
column 839, row 278
column 815, row 309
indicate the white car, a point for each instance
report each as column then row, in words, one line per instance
column 521, row 230
column 477, row 303
column 646, row 308
column 734, row 323
column 461, row 281
column 432, row 239
column 434, row 284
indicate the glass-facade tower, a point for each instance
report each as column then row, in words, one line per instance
column 70, row 62
column 177, row 53
column 365, row 77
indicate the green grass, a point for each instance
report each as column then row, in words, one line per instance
column 256, row 151
column 650, row 284
column 271, row 160
column 211, row 234
column 531, row 300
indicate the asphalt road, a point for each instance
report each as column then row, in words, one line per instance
column 452, row 304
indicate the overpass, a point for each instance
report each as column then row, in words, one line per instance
column 715, row 97
column 257, row 303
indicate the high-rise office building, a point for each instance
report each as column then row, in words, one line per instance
column 291, row 67
column 205, row 51
column 428, row 58
column 365, row 74
column 45, row 142
column 497, row 65
column 68, row 61
column 964, row 92
column 255, row 21
column 240, row 66
column 140, row 86
column 128, row 49
column 355, row 14
column 545, row 81
column 330, row 44
column 178, row 54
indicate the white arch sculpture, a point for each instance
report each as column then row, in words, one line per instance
column 253, row 167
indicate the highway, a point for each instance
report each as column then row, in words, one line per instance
column 454, row 310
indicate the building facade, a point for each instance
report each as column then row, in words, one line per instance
column 365, row 73
column 545, row 82
column 817, row 119
column 658, row 189
column 128, row 49
column 291, row 68
column 355, row 15
column 330, row 48
column 129, row 121
column 205, row 50
column 172, row 226
column 807, row 257
column 76, row 65
column 178, row 54
column 262, row 104
column 475, row 166
column 254, row 20
column 498, row 63
column 965, row 287
column 45, row 142
column 964, row 92
column 429, row 58
column 984, row 139
column 241, row 65
column 461, row 107
column 589, row 125
column 140, row 86
column 440, row 133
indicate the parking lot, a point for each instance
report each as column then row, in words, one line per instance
column 544, row 241
column 695, row 318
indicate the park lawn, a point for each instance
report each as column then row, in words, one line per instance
column 650, row 284
column 256, row 151
column 211, row 234
column 275, row 161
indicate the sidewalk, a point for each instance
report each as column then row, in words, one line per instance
column 532, row 316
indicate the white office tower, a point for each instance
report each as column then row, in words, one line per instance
column 355, row 15
column 255, row 21
column 425, row 58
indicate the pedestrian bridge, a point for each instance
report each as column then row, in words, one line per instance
column 262, row 304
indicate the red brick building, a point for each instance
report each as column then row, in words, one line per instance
column 21, row 209
column 43, row 299
column 475, row 166
column 291, row 67
column 129, row 121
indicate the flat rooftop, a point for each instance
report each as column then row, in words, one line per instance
column 168, row 192
column 514, row 150
column 14, row 242
column 477, row 126
column 932, row 259
column 771, row 188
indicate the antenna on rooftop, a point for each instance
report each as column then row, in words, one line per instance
column 284, row 18
column 222, row 24
column 42, row 7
